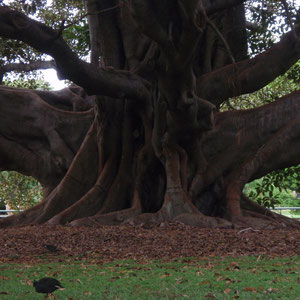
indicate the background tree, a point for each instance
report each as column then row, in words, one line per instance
column 157, row 149
column 18, row 191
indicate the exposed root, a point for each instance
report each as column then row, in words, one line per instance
column 23, row 218
column 203, row 221
column 261, row 221
column 92, row 201
column 257, row 223
column 114, row 218
column 249, row 205
column 89, row 195
column 283, row 221
column 148, row 218
column 134, row 216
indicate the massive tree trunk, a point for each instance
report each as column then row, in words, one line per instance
column 154, row 146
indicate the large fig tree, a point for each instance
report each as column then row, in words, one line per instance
column 138, row 137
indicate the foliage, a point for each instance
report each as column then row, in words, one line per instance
column 294, row 74
column 78, row 37
column 29, row 83
column 276, row 188
column 266, row 193
column 268, row 21
column 70, row 15
column 262, row 191
column 13, row 51
column 54, row 14
column 19, row 191
column 195, row 278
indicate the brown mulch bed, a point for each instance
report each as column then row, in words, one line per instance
column 152, row 242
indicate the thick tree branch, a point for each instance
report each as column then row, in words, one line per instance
column 219, row 34
column 46, row 138
column 36, row 65
column 250, row 75
column 253, row 26
column 153, row 20
column 109, row 82
column 191, row 30
column 110, row 40
column 94, row 31
column 239, row 129
column 218, row 5
column 171, row 25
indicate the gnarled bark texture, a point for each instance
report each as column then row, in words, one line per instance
column 142, row 140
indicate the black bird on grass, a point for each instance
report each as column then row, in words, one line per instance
column 47, row 286
column 51, row 248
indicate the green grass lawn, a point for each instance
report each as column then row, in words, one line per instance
column 211, row 278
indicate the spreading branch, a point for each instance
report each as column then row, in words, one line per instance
column 250, row 75
column 218, row 5
column 20, row 67
column 42, row 152
column 108, row 82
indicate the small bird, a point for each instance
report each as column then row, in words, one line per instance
column 47, row 286
column 51, row 248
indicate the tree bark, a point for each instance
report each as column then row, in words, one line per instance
column 150, row 146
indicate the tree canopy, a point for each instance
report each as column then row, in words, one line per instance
column 138, row 136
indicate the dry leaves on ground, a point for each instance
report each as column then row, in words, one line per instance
column 152, row 242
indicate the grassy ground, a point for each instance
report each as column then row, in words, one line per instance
column 211, row 278
column 289, row 213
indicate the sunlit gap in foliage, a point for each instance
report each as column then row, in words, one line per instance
column 267, row 21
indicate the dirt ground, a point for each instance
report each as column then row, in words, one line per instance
column 152, row 242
